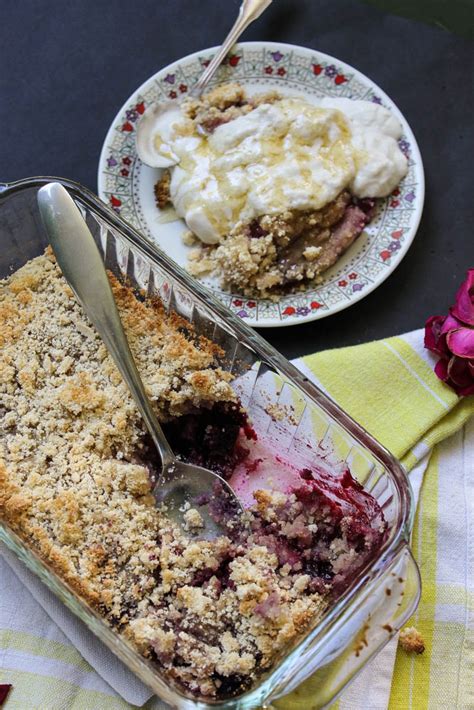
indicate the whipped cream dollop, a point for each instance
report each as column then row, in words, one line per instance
column 286, row 155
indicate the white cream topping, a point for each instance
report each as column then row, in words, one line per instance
column 285, row 155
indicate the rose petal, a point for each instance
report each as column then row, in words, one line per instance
column 441, row 370
column 458, row 373
column 466, row 391
column 461, row 342
column 452, row 337
column 450, row 323
column 4, row 690
column 464, row 306
column 433, row 341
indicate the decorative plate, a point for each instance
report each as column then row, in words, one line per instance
column 127, row 185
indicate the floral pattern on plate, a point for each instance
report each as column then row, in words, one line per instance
column 127, row 185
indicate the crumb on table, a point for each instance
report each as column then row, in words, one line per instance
column 411, row 640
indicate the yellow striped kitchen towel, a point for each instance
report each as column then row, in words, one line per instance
column 388, row 386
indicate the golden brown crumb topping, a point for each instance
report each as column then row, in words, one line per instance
column 162, row 190
column 75, row 485
column 264, row 257
column 223, row 104
column 411, row 640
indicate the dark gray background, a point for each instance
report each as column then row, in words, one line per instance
column 67, row 66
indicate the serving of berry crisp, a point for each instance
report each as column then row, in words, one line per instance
column 77, row 469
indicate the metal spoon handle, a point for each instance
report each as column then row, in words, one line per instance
column 79, row 259
column 249, row 11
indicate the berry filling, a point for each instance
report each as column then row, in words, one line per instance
column 324, row 525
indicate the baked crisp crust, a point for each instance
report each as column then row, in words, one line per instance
column 71, row 478
column 162, row 190
column 75, row 483
column 223, row 104
column 411, row 640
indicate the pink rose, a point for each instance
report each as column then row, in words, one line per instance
column 452, row 338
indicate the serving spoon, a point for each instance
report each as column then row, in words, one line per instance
column 180, row 485
column 165, row 111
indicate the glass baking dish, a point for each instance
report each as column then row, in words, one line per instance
column 381, row 597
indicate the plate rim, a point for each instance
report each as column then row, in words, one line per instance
column 415, row 151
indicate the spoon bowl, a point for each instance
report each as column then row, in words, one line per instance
column 202, row 499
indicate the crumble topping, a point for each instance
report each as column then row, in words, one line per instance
column 162, row 190
column 223, row 104
column 189, row 238
column 411, row 640
column 193, row 519
column 72, row 471
column 312, row 253
column 76, row 475
column 275, row 253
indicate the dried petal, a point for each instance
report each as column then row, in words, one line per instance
column 441, row 370
column 458, row 373
column 452, row 338
column 465, row 391
column 450, row 323
column 464, row 306
column 461, row 342
column 433, row 340
column 4, row 690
